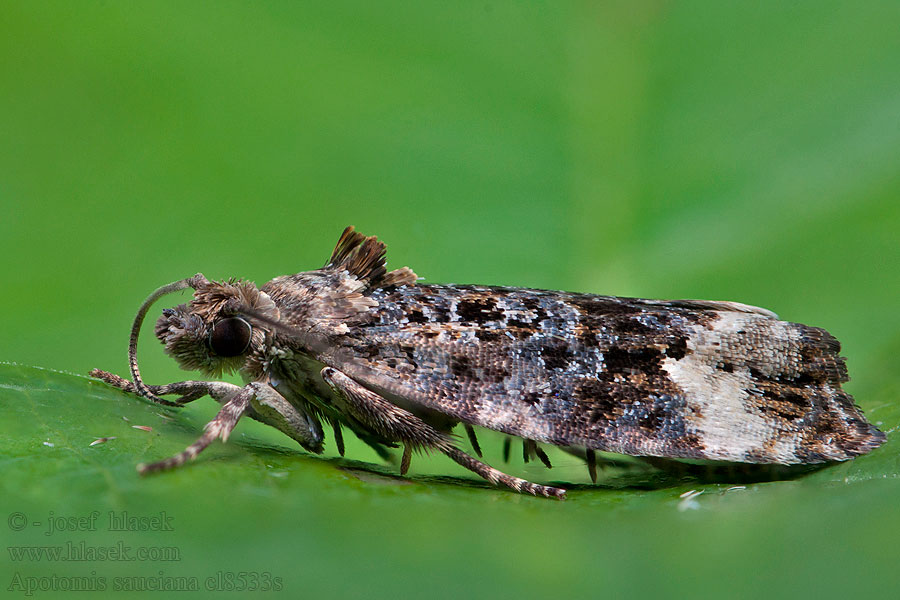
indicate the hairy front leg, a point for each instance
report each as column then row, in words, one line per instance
column 220, row 427
column 259, row 400
column 396, row 424
column 266, row 405
column 188, row 390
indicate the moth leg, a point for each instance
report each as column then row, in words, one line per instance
column 407, row 457
column 220, row 427
column 271, row 408
column 389, row 421
column 591, row 458
column 530, row 449
column 267, row 405
column 338, row 436
column 470, row 431
column 189, row 390
column 593, row 461
column 396, row 424
column 495, row 476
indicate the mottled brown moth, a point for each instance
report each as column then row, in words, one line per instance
column 359, row 347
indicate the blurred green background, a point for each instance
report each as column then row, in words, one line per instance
column 712, row 150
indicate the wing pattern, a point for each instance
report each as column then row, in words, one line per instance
column 694, row 379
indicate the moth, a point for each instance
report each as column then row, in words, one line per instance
column 358, row 347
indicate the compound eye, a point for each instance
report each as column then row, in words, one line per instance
column 230, row 337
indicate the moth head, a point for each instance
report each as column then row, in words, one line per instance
column 210, row 334
column 213, row 333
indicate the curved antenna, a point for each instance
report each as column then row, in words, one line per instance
column 139, row 386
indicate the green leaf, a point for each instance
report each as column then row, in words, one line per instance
column 262, row 507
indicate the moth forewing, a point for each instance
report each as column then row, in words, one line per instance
column 357, row 346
